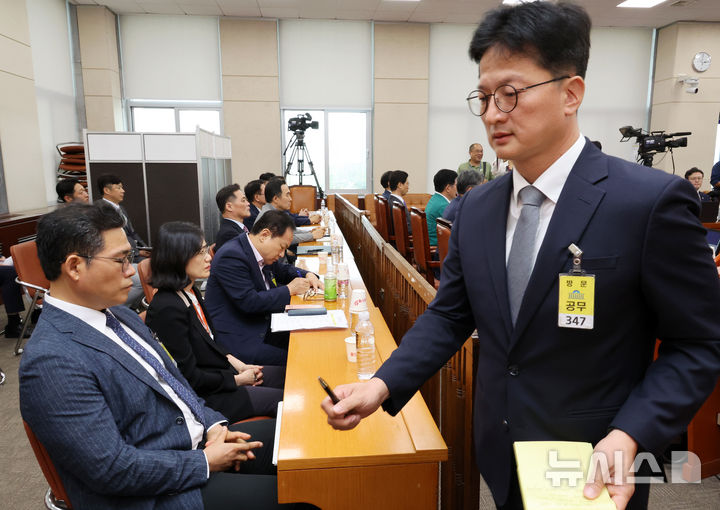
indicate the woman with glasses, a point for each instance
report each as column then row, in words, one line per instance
column 178, row 316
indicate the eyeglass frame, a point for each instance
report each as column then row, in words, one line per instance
column 517, row 92
column 204, row 250
column 125, row 261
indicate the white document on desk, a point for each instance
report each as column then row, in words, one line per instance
column 278, row 421
column 334, row 319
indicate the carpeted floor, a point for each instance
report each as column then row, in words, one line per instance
column 22, row 485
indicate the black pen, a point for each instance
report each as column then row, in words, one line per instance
column 314, row 250
column 328, row 390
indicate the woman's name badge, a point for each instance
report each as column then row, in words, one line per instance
column 576, row 304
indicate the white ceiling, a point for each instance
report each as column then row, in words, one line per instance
column 603, row 12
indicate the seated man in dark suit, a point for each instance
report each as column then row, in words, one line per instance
column 399, row 187
column 695, row 176
column 385, row 183
column 121, row 424
column 255, row 193
column 248, row 283
column 70, row 190
column 234, row 208
column 466, row 181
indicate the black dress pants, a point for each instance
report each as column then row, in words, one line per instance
column 254, row 487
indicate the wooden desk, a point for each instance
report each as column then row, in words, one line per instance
column 385, row 462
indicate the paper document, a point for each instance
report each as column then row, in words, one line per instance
column 276, row 445
column 335, row 319
column 552, row 475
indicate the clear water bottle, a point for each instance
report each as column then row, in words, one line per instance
column 365, row 343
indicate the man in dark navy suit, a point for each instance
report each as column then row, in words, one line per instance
column 547, row 372
column 234, row 208
column 695, row 176
column 248, row 283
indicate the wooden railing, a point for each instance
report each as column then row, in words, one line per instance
column 402, row 295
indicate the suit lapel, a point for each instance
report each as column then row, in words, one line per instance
column 200, row 328
column 494, row 226
column 575, row 208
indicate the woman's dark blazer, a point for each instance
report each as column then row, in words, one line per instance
column 200, row 359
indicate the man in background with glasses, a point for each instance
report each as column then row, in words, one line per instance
column 551, row 371
column 476, row 163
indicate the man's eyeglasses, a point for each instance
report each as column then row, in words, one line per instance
column 505, row 96
column 125, row 261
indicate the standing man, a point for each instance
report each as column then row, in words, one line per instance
column 70, row 190
column 112, row 192
column 445, row 182
column 234, row 208
column 476, row 163
column 399, row 187
column 122, row 426
column 255, row 193
column 543, row 373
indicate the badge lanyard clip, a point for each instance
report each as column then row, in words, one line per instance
column 577, row 254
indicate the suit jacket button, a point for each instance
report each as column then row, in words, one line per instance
column 514, row 370
column 505, row 425
column 180, row 420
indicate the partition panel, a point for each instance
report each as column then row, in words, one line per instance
column 170, row 186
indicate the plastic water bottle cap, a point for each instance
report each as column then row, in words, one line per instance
column 364, row 316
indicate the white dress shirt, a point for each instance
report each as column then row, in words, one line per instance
column 260, row 262
column 551, row 183
column 97, row 320
column 239, row 224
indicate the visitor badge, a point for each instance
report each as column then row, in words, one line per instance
column 576, row 303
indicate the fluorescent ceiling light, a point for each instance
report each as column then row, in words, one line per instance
column 516, row 2
column 640, row 4
column 401, row 0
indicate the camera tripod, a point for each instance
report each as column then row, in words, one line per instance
column 299, row 151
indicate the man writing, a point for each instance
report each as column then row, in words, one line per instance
column 121, row 424
column 248, row 282
column 476, row 163
column 537, row 378
column 234, row 208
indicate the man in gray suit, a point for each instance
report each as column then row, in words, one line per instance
column 121, row 424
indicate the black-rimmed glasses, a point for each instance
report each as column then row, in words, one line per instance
column 505, row 96
column 124, row 261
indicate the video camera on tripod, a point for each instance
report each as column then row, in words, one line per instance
column 298, row 125
column 301, row 123
column 653, row 142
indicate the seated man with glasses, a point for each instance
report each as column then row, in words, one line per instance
column 119, row 421
column 548, row 371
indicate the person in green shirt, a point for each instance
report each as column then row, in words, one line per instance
column 476, row 163
column 445, row 190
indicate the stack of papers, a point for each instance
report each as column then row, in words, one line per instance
column 552, row 475
column 334, row 319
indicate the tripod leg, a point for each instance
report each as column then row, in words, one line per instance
column 312, row 171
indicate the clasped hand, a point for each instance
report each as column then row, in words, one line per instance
column 225, row 449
